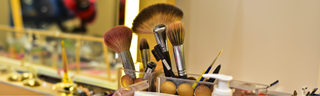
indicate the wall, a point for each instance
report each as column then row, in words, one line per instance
column 263, row 40
column 107, row 12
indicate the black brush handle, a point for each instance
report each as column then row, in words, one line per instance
column 167, row 68
column 314, row 91
column 274, row 83
column 308, row 93
column 155, row 55
column 216, row 71
column 167, row 57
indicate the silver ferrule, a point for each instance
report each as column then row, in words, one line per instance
column 164, row 61
column 161, row 37
column 180, row 61
column 127, row 62
column 145, row 54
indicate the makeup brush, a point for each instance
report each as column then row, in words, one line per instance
column 273, row 83
column 208, row 69
column 145, row 53
column 314, row 91
column 176, row 36
column 216, row 71
column 153, row 15
column 308, row 93
column 119, row 39
column 152, row 20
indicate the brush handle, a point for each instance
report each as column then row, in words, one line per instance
column 274, row 83
column 167, row 57
column 216, row 71
column 180, row 62
column 149, row 69
column 145, row 56
column 161, row 36
column 167, row 68
column 314, row 91
column 201, row 78
column 157, row 57
column 127, row 62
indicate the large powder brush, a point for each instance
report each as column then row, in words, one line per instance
column 119, row 39
column 176, row 34
column 153, row 15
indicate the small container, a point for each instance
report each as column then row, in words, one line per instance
column 179, row 81
column 274, row 93
column 248, row 86
column 234, row 84
column 150, row 77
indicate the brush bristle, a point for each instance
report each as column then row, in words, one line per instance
column 175, row 32
column 144, row 44
column 153, row 15
column 118, row 38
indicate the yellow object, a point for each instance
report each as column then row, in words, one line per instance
column 139, row 68
column 185, row 89
column 202, row 90
column 168, row 87
column 65, row 78
column 126, row 80
column 17, row 17
column 77, row 55
column 195, row 84
column 16, row 14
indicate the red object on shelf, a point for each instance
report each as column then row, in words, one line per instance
column 88, row 15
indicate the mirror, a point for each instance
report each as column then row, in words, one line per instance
column 84, row 17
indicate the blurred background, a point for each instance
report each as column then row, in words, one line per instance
column 263, row 40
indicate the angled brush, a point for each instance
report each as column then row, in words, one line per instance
column 176, row 36
column 145, row 52
column 119, row 39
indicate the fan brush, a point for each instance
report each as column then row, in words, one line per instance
column 153, row 15
column 153, row 20
column 119, row 39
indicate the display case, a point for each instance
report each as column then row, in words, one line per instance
column 91, row 64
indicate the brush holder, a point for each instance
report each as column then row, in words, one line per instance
column 126, row 80
column 165, row 83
